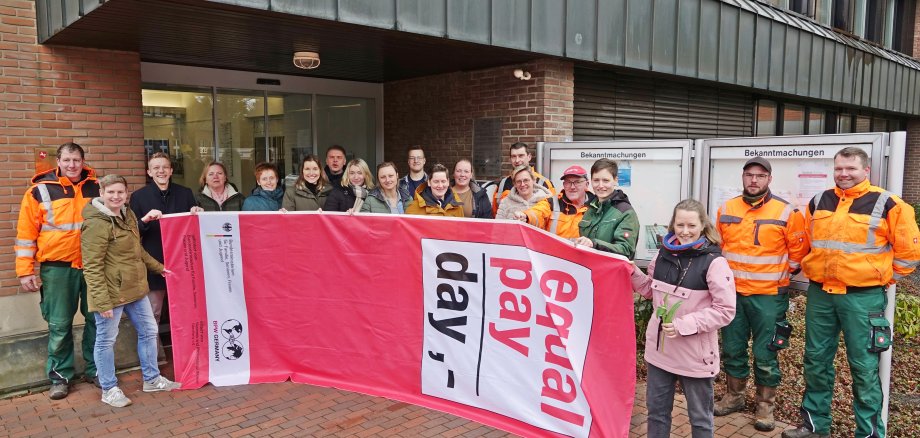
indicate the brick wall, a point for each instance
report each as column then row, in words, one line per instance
column 437, row 112
column 911, row 192
column 52, row 95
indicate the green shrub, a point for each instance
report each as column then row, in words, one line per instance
column 907, row 316
column 643, row 309
column 917, row 213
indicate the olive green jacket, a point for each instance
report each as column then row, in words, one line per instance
column 114, row 263
column 375, row 202
column 612, row 225
column 302, row 199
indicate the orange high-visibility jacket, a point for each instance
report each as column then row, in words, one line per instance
column 505, row 185
column 50, row 217
column 562, row 214
column 762, row 243
column 862, row 236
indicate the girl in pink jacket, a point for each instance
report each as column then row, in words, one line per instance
column 693, row 293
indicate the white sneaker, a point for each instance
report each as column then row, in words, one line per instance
column 160, row 384
column 115, row 398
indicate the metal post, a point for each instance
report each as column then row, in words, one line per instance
column 894, row 184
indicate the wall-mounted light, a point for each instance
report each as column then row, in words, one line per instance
column 306, row 60
column 522, row 75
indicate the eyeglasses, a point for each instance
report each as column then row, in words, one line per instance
column 416, row 159
column 575, row 183
column 756, row 175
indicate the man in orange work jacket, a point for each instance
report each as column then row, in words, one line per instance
column 862, row 240
column 48, row 232
column 764, row 241
column 561, row 215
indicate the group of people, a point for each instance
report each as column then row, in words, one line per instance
column 728, row 274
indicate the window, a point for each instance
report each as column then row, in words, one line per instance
column 863, row 124
column 876, row 12
column 179, row 123
column 844, row 123
column 804, row 7
column 766, row 118
column 816, row 118
column 842, row 15
column 793, row 119
column 902, row 26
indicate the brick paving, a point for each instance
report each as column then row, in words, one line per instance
column 272, row 410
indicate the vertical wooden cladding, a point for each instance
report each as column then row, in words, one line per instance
column 612, row 105
column 325, row 9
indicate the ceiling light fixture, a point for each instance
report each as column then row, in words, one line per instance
column 522, row 75
column 306, row 60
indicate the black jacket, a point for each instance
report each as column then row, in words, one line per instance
column 340, row 199
column 175, row 199
column 334, row 180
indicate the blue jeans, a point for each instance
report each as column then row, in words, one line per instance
column 141, row 316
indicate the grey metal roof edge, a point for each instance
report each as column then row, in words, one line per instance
column 809, row 25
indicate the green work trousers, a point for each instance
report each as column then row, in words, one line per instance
column 825, row 316
column 755, row 317
column 63, row 291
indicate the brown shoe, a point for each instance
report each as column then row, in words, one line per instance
column 763, row 414
column 733, row 400
column 58, row 390
column 803, row 432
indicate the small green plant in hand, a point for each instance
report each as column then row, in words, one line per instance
column 666, row 314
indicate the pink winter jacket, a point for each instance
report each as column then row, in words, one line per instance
column 695, row 352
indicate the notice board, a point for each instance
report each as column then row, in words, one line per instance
column 655, row 174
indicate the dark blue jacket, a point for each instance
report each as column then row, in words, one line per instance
column 175, row 199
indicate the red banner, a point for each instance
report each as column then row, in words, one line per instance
column 494, row 321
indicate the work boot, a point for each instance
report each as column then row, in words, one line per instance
column 59, row 389
column 763, row 413
column 733, row 400
column 803, row 432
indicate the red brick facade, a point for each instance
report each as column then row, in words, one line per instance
column 437, row 112
column 52, row 95
column 911, row 192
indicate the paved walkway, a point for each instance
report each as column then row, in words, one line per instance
column 272, row 410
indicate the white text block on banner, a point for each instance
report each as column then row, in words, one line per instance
column 226, row 301
column 507, row 330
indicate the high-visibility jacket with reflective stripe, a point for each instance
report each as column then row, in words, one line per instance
column 505, row 185
column 762, row 243
column 862, row 236
column 50, row 217
column 561, row 217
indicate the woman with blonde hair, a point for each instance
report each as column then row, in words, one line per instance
column 217, row 194
column 310, row 191
column 693, row 291
column 355, row 184
column 115, row 268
